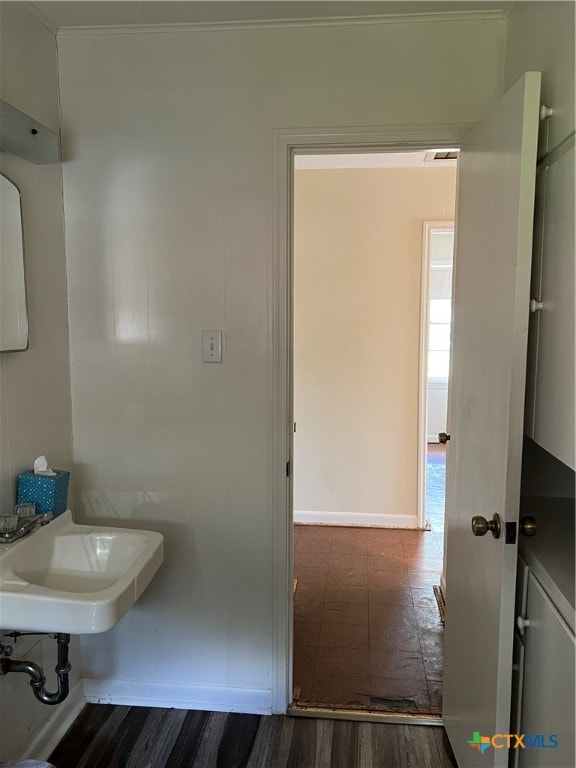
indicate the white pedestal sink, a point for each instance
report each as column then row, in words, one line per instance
column 77, row 579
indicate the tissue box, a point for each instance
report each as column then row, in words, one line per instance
column 50, row 492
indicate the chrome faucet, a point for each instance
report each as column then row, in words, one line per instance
column 23, row 525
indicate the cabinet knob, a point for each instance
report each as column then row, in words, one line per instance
column 535, row 305
column 522, row 624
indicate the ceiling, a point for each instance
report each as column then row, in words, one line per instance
column 91, row 13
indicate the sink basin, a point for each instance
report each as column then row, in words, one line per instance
column 78, row 579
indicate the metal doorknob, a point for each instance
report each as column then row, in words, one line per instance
column 481, row 526
column 528, row 526
column 443, row 437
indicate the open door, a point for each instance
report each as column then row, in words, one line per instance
column 491, row 307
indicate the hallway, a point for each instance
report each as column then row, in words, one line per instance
column 367, row 629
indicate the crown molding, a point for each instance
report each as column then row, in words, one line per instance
column 40, row 16
column 335, row 21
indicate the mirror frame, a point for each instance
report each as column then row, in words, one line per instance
column 25, row 347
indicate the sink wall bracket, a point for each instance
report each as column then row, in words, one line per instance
column 37, row 676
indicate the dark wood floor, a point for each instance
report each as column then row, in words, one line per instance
column 108, row 736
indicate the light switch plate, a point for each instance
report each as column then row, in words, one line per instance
column 211, row 346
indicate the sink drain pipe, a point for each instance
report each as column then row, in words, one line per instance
column 37, row 676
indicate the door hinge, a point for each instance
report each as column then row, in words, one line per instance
column 288, row 468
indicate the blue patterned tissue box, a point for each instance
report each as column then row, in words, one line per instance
column 49, row 492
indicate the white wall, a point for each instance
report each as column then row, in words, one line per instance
column 541, row 37
column 357, row 282
column 35, row 410
column 168, row 200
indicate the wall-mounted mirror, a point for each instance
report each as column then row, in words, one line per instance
column 13, row 313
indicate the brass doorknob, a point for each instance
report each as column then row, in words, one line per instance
column 443, row 437
column 481, row 526
column 528, row 526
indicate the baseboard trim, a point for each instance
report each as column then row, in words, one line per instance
column 54, row 729
column 362, row 519
column 135, row 693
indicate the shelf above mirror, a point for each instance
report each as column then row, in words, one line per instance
column 23, row 136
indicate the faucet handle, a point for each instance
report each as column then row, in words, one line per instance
column 26, row 509
column 8, row 522
column 6, row 650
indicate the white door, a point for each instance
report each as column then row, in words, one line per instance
column 491, row 307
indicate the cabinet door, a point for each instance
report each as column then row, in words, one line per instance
column 548, row 691
column 522, row 572
column 517, row 688
column 553, row 392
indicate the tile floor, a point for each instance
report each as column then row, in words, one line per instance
column 367, row 631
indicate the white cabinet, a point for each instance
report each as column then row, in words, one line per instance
column 547, row 694
column 543, row 676
column 551, row 385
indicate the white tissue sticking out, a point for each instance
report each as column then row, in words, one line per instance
column 41, row 466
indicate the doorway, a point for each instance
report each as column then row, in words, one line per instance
column 367, row 627
column 435, row 334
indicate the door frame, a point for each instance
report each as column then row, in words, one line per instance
column 286, row 144
column 428, row 226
